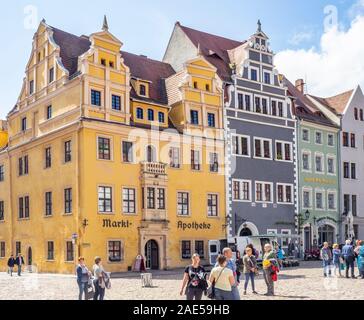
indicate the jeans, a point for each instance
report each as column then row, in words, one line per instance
column 235, row 293
column 99, row 292
column 223, row 295
column 350, row 265
column 83, row 289
column 327, row 267
column 337, row 266
column 11, row 269
column 19, row 270
column 194, row 294
column 249, row 276
column 269, row 282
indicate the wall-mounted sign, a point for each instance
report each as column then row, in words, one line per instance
column 193, row 226
column 123, row 224
column 320, row 181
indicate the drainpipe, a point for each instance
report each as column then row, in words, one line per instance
column 12, row 213
column 341, row 209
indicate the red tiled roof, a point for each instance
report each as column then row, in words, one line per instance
column 214, row 48
column 336, row 103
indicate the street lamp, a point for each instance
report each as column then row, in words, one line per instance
column 307, row 215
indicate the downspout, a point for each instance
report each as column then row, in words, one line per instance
column 12, row 213
column 340, row 196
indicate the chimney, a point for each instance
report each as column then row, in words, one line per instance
column 300, row 85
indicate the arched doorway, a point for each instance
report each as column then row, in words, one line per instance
column 245, row 232
column 152, row 255
column 326, row 233
column 30, row 257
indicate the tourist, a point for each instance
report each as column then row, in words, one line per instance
column 255, row 251
column 19, row 261
column 280, row 256
column 356, row 251
column 250, row 269
column 228, row 253
column 11, row 264
column 268, row 258
column 223, row 280
column 195, row 279
column 99, row 281
column 349, row 257
column 326, row 256
column 336, row 257
column 361, row 259
column 83, row 278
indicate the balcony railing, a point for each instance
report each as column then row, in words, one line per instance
column 156, row 168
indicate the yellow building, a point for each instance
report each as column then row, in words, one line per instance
column 111, row 154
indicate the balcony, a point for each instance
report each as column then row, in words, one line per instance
column 154, row 168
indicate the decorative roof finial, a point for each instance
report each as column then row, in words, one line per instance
column 259, row 26
column 105, row 25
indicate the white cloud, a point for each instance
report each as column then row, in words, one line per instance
column 300, row 37
column 336, row 66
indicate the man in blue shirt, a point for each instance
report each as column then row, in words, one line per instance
column 349, row 257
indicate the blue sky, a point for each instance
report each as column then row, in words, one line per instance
column 144, row 26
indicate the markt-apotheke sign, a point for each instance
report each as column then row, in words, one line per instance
column 123, row 224
column 193, row 226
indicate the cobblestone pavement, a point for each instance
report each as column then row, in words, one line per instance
column 303, row 283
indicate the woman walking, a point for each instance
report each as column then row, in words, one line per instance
column 83, row 277
column 223, row 280
column 337, row 257
column 250, row 269
column 326, row 256
column 99, row 281
column 361, row 259
column 195, row 279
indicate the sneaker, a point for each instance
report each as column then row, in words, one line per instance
column 245, row 293
column 254, row 292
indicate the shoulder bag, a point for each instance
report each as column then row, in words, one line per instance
column 211, row 289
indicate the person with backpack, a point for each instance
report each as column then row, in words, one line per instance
column 326, row 256
column 349, row 257
column 194, row 280
column 250, row 269
column 222, row 280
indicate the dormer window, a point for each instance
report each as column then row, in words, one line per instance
column 254, row 74
column 142, row 90
column 140, row 113
column 150, row 114
column 51, row 75
column 103, row 62
column 31, row 87
column 356, row 114
column 24, row 124
column 267, row 78
column 111, row 64
column 208, row 87
column 195, row 85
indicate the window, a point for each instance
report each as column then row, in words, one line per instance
column 345, row 139
column 2, row 249
column 69, row 252
column 51, row 75
column 267, row 78
column 211, row 120
column 254, row 74
column 240, row 101
column 142, row 90
column 346, row 203
column 354, row 205
column 262, row 148
column 330, row 140
column 241, row 190
column 353, row 171
column 352, row 140
column 150, row 198
column 306, row 161
column 161, row 199
column 195, row 85
column 356, row 114
column 114, row 251
column 2, row 211
column 331, row 165
column 2, row 173
column 31, row 87
column 212, row 205
column 151, row 154
column 104, row 148
column 49, row 112
column 129, row 197
column 207, row 87
column 265, row 106
column 214, row 162
column 318, row 138
column 306, row 135
column 247, row 102
column 174, row 156
column 48, row 204
column 319, row 201
column 105, row 200
column 283, row 151
column 68, row 201
column 23, row 166
column 26, row 165
column 116, row 102
column 263, row 192
column 103, row 62
column 67, row 151
column 24, row 124
column 96, row 98
column 257, row 105
column 331, row 200
column 194, row 117
column 127, row 152
column 195, row 160
column 150, row 114
column 186, row 250
column 48, row 157
column 346, row 170
column 200, row 249
column 17, row 248
column 274, row 108
column 306, row 199
column 140, row 113
column 361, row 115
column 319, row 164
column 161, row 117
column 280, row 109
column 23, row 209
column 111, row 64
column 241, row 145
column 284, row 193
column 183, row 203
column 50, row 250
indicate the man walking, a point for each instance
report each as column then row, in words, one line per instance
column 268, row 258
column 349, row 257
column 11, row 264
column 19, row 261
column 228, row 253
